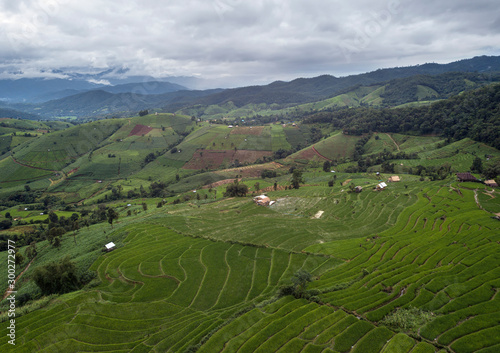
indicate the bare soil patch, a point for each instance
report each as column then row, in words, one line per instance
column 140, row 130
column 246, row 130
column 213, row 159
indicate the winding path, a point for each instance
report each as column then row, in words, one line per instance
column 397, row 146
column 319, row 154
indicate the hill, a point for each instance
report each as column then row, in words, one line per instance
column 454, row 78
column 182, row 279
column 11, row 113
column 337, row 263
column 472, row 114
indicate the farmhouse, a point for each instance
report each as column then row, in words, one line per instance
column 358, row 189
column 262, row 200
column 381, row 186
column 491, row 183
column 110, row 246
column 394, row 178
column 466, row 177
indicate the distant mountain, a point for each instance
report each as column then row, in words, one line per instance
column 27, row 89
column 38, row 90
column 149, row 87
column 101, row 103
column 10, row 113
column 303, row 90
column 130, row 97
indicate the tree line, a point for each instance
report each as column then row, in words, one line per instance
column 473, row 114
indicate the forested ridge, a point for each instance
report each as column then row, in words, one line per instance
column 474, row 114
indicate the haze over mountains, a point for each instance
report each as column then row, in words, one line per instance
column 98, row 94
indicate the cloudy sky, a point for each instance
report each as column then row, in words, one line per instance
column 236, row 42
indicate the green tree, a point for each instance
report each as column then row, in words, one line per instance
column 297, row 178
column 19, row 258
column 53, row 217
column 327, row 166
column 56, row 277
column 112, row 215
column 144, row 206
column 301, row 279
column 31, row 251
column 257, row 186
column 56, row 243
column 236, row 189
column 477, row 165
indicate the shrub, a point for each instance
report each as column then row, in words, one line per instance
column 408, row 319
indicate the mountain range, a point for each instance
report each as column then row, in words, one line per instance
column 86, row 96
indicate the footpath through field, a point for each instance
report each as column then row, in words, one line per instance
column 319, row 154
column 397, row 146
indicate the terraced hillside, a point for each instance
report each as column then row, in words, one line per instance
column 161, row 291
column 204, row 276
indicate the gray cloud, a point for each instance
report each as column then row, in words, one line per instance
column 243, row 42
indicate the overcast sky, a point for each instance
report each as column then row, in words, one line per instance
column 236, row 42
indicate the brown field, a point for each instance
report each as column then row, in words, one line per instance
column 245, row 130
column 212, row 159
column 251, row 170
column 308, row 154
column 140, row 130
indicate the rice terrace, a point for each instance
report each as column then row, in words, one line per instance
column 235, row 226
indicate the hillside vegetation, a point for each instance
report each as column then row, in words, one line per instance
column 371, row 243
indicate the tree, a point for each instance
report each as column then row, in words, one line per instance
column 112, row 215
column 5, row 224
column 492, row 171
column 257, row 186
column 53, row 217
column 297, row 178
column 300, row 280
column 56, row 277
column 30, row 251
column 236, row 189
column 19, row 258
column 55, row 232
column 477, row 165
column 144, row 206
column 8, row 215
column 74, row 228
column 143, row 112
column 327, row 166
column 56, row 243
column 331, row 183
column 27, row 188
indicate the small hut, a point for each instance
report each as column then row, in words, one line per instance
column 110, row 246
column 394, row 179
column 358, row 189
column 381, row 186
column 262, row 200
column 491, row 183
column 466, row 177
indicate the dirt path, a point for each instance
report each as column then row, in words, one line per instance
column 30, row 166
column 94, row 194
column 477, row 200
column 397, row 146
column 7, row 292
column 319, row 154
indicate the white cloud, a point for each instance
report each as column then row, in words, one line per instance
column 243, row 42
